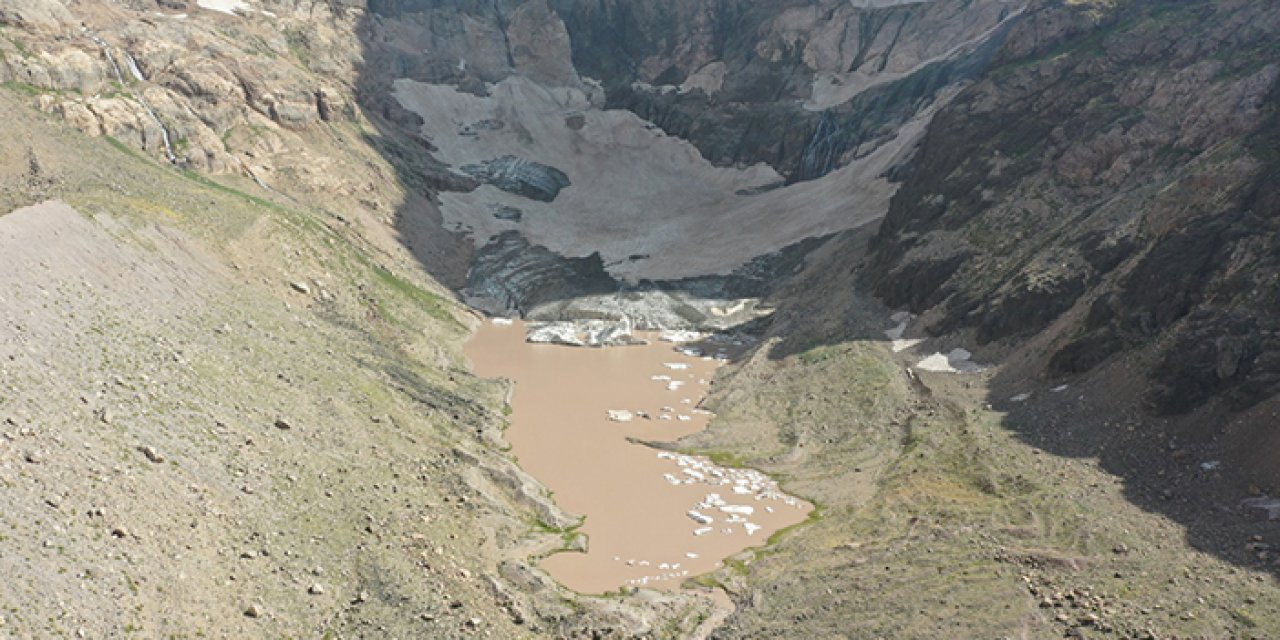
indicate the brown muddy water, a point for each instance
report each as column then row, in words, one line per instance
column 653, row 518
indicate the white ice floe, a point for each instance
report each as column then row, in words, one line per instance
column 674, row 385
column 684, row 418
column 702, row 531
column 555, row 333
column 680, row 336
column 1021, row 397
column 1060, row 388
column 699, row 517
column 620, row 415
column 660, row 378
column 752, row 528
column 691, row 555
column 502, row 322
column 742, row 509
column 676, row 366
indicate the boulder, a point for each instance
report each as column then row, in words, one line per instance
column 36, row 15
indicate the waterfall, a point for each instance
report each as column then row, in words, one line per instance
column 133, row 67
column 137, row 73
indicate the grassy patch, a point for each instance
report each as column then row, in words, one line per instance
column 434, row 305
column 22, row 88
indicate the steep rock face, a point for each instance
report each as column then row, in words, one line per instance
column 1120, row 162
column 221, row 93
column 802, row 86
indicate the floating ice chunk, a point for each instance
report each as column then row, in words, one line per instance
column 701, row 531
column 696, row 475
column 1021, row 397
column 684, row 418
column 1060, row 388
column 743, row 509
column 665, row 416
column 1210, row 465
column 664, row 565
column 769, row 509
column 692, row 352
column 502, row 322
column 666, row 455
column 672, row 480
column 699, row 517
column 741, row 490
column 751, row 528
column 691, row 555
column 555, row 333
column 676, row 366
column 674, row 384
column 680, row 336
column 620, row 415
column 660, row 378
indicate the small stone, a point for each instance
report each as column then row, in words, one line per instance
column 1120, row 549
column 473, row 623
column 105, row 416
column 300, row 287
column 253, row 611
column 316, row 589
column 119, row 532
column 466, row 575
column 283, row 424
column 363, row 596
column 33, row 457
column 151, row 454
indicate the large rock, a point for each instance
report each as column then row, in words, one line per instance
column 522, row 177
column 36, row 15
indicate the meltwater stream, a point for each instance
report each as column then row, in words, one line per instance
column 653, row 518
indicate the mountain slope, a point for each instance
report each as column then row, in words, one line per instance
column 1112, row 181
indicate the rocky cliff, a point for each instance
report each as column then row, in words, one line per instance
column 241, row 310
column 1110, row 180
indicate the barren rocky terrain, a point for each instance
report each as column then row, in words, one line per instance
column 242, row 244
